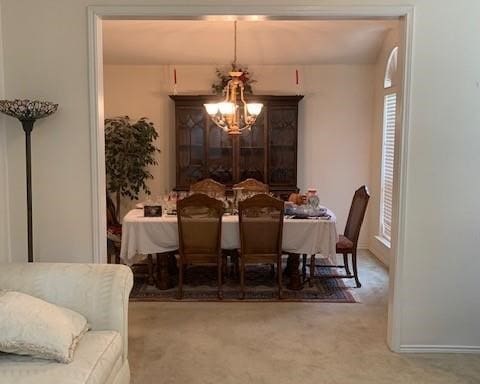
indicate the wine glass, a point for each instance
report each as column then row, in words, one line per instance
column 165, row 197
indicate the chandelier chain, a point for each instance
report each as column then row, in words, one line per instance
column 235, row 44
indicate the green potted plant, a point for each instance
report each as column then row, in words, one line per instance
column 129, row 150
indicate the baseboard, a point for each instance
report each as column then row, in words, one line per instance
column 377, row 248
column 439, row 348
column 380, row 256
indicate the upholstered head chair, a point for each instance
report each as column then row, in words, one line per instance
column 199, row 234
column 252, row 185
column 114, row 233
column 209, row 187
column 347, row 243
column 356, row 215
column 261, row 228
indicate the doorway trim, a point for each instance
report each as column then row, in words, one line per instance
column 253, row 12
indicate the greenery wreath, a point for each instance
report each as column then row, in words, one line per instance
column 223, row 78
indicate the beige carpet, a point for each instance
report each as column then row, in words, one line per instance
column 279, row 343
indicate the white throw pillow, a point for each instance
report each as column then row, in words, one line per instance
column 31, row 326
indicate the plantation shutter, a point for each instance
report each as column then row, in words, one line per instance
column 389, row 119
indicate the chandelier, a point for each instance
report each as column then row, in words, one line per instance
column 234, row 114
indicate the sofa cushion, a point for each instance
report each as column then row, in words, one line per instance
column 31, row 326
column 97, row 354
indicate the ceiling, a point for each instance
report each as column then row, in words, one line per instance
column 149, row 42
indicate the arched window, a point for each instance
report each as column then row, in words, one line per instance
column 391, row 69
column 388, row 145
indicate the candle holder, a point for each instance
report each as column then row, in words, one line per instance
column 28, row 111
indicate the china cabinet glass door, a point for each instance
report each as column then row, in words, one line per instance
column 252, row 156
column 191, row 156
column 219, row 155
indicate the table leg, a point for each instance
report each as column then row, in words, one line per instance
column 304, row 266
column 295, row 282
column 163, row 275
column 288, row 268
column 172, row 264
column 150, row 280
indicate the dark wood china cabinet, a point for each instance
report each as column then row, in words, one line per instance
column 267, row 153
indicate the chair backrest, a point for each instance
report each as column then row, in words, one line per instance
column 261, row 225
column 111, row 213
column 252, row 185
column 199, row 225
column 208, row 187
column 356, row 214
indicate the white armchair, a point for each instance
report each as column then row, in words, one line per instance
column 100, row 293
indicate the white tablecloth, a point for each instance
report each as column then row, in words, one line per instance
column 148, row 235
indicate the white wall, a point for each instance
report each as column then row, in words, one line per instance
column 4, row 208
column 46, row 56
column 334, row 142
column 142, row 91
column 4, row 235
column 441, row 305
column 335, row 121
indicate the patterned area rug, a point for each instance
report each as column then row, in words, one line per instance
column 200, row 285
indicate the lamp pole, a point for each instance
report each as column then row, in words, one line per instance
column 28, row 111
column 28, row 127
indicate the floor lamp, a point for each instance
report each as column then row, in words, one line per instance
column 28, row 111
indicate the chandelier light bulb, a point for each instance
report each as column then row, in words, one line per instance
column 226, row 108
column 254, row 108
column 212, row 109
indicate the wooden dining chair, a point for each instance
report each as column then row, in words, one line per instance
column 261, row 227
column 114, row 245
column 347, row 243
column 199, row 234
column 249, row 186
column 252, row 185
column 114, row 233
column 209, row 187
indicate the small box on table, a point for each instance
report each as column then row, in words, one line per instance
column 152, row 210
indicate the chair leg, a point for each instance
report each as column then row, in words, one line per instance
column 354, row 264
column 172, row 264
column 304, row 266
column 345, row 263
column 220, row 276
column 312, row 270
column 180, row 278
column 151, row 280
column 224, row 268
column 242, row 278
column 117, row 255
column 232, row 265
column 237, row 266
column 279, row 276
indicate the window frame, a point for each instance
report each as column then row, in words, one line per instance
column 390, row 88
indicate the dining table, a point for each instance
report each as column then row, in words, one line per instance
column 147, row 236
